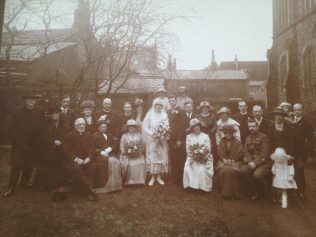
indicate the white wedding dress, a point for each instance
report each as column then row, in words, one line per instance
column 156, row 152
column 198, row 175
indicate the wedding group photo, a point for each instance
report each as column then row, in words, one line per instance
column 146, row 118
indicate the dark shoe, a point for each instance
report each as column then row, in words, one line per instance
column 26, row 186
column 58, row 197
column 8, row 193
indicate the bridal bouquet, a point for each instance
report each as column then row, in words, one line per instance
column 162, row 131
column 199, row 152
column 132, row 149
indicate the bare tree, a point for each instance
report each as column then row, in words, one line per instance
column 116, row 32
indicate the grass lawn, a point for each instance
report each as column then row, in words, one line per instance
column 151, row 211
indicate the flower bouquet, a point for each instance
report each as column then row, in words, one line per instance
column 199, row 152
column 162, row 131
column 132, row 149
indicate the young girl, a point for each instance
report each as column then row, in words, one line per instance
column 283, row 173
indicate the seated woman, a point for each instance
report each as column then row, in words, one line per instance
column 108, row 166
column 132, row 159
column 198, row 169
column 230, row 153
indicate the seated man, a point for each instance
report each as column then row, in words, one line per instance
column 81, row 165
column 257, row 167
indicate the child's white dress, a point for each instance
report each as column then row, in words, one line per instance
column 283, row 176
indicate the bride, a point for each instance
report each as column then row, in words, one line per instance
column 155, row 129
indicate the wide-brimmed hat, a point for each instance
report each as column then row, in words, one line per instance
column 54, row 109
column 161, row 89
column 31, row 96
column 284, row 103
column 228, row 128
column 87, row 104
column 280, row 155
column 192, row 123
column 182, row 89
column 131, row 122
column 224, row 110
column 278, row 110
column 205, row 104
column 103, row 119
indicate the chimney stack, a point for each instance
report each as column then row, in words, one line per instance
column 236, row 62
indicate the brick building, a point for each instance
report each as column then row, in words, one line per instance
column 292, row 58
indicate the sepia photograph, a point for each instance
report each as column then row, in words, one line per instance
column 158, row 118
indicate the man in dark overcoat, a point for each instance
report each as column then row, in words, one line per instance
column 303, row 144
column 25, row 128
column 242, row 118
column 67, row 114
column 262, row 122
column 174, row 141
column 184, row 119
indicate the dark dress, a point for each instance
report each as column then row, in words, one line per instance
column 229, row 172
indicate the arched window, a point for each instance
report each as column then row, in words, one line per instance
column 309, row 65
column 283, row 69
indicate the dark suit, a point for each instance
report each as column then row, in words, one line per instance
column 303, row 144
column 80, row 146
column 175, row 153
column 264, row 126
column 68, row 118
column 99, row 143
column 183, row 123
column 25, row 129
column 52, row 161
column 242, row 119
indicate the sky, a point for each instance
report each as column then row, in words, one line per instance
column 229, row 27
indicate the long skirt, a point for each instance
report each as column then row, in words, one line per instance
column 133, row 170
column 114, row 182
column 156, row 156
column 230, row 182
column 198, row 175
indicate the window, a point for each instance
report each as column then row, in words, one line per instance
column 283, row 69
column 309, row 65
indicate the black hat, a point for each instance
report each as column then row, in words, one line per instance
column 278, row 110
column 31, row 96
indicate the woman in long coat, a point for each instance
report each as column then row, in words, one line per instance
column 230, row 153
column 108, row 166
column 132, row 159
column 198, row 169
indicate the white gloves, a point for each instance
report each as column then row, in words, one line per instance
column 57, row 143
column 81, row 161
column 106, row 151
column 291, row 179
column 87, row 160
